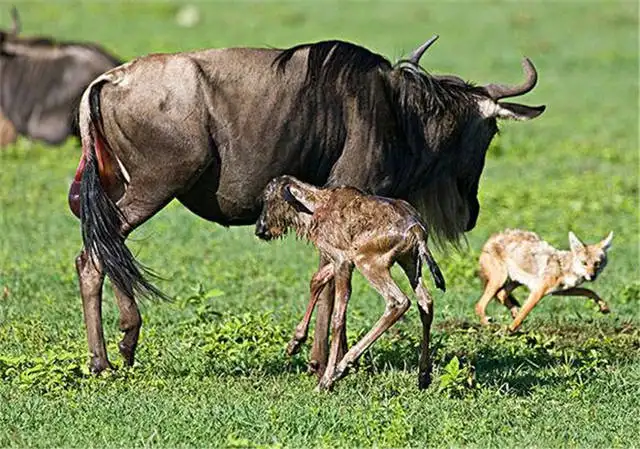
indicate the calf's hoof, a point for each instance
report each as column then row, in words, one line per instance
column 316, row 368
column 294, row 347
column 325, row 384
column 605, row 309
column 424, row 380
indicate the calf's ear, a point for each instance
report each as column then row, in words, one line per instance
column 300, row 199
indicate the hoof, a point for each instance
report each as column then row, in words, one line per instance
column 424, row 380
column 96, row 366
column 604, row 309
column 314, row 367
column 486, row 320
column 294, row 347
column 127, row 353
column 325, row 384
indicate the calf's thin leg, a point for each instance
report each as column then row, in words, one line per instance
column 318, row 281
column 425, row 305
column 579, row 291
column 320, row 348
column 91, row 279
column 342, row 279
column 397, row 304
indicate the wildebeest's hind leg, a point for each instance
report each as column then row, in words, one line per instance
column 130, row 324
column 412, row 269
column 318, row 281
column 91, row 278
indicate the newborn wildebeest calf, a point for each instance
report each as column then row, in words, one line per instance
column 351, row 229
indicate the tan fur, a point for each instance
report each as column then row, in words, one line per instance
column 353, row 230
column 8, row 133
column 515, row 257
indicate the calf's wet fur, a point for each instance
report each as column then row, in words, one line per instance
column 354, row 230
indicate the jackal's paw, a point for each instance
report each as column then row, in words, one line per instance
column 486, row 320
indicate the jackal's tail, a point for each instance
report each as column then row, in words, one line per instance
column 426, row 257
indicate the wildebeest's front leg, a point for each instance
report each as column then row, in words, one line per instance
column 91, row 280
column 130, row 324
column 342, row 279
column 320, row 349
column 323, row 276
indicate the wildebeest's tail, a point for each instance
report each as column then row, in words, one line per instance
column 426, row 257
column 101, row 218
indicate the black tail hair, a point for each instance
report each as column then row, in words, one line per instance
column 102, row 220
column 436, row 274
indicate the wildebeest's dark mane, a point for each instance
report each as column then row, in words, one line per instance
column 405, row 125
column 332, row 62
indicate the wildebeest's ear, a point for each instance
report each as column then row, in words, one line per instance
column 506, row 110
column 298, row 198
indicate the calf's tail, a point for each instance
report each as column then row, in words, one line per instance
column 426, row 257
column 102, row 221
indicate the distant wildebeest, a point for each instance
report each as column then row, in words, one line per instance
column 354, row 230
column 515, row 257
column 41, row 83
column 213, row 127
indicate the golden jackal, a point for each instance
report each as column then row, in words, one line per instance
column 515, row 257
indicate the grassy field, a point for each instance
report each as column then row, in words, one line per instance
column 211, row 367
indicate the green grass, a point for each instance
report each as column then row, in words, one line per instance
column 211, row 367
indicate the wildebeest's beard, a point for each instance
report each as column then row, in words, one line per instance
column 446, row 140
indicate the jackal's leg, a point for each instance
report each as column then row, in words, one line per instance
column 425, row 305
column 505, row 298
column 495, row 274
column 91, row 278
column 529, row 304
column 579, row 291
column 130, row 324
column 342, row 279
column 397, row 304
column 318, row 281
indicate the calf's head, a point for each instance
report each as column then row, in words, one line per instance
column 281, row 208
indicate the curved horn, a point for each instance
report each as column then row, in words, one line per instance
column 418, row 52
column 498, row 91
column 15, row 18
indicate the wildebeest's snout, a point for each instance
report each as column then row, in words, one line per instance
column 262, row 230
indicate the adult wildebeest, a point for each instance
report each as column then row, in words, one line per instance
column 41, row 83
column 213, row 127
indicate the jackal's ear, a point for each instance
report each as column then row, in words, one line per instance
column 575, row 243
column 606, row 243
column 301, row 200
